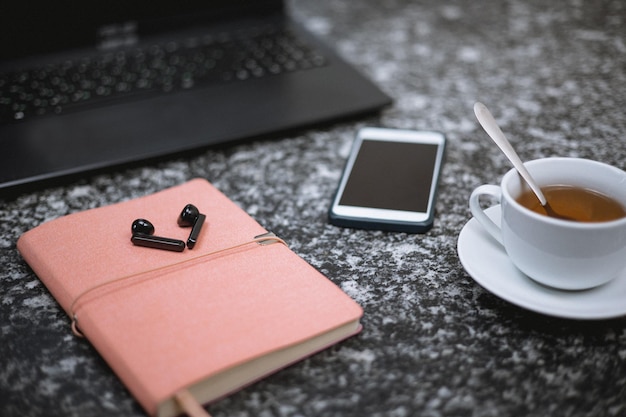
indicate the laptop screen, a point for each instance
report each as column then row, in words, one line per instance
column 33, row 27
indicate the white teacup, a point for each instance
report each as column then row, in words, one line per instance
column 559, row 253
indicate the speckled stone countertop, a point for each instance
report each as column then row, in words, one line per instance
column 434, row 342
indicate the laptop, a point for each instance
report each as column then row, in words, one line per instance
column 97, row 84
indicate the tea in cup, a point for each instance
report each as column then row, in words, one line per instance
column 586, row 246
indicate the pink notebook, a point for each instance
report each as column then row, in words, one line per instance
column 206, row 321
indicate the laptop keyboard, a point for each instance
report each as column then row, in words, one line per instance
column 162, row 68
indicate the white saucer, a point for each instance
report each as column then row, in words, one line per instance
column 487, row 262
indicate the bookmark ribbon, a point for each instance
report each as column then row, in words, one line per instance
column 263, row 239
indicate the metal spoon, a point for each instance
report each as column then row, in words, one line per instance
column 488, row 123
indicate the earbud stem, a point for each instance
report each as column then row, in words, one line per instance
column 157, row 242
column 195, row 231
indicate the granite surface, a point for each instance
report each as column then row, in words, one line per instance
column 434, row 342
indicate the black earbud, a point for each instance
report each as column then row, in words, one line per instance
column 191, row 217
column 143, row 235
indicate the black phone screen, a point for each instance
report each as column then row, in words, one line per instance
column 391, row 175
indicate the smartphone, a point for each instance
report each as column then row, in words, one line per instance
column 390, row 181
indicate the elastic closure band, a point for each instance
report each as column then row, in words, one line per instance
column 190, row 406
column 264, row 239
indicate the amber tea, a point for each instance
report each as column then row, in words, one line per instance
column 577, row 203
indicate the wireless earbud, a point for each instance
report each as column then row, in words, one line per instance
column 190, row 216
column 143, row 235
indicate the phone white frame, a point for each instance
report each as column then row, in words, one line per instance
column 377, row 214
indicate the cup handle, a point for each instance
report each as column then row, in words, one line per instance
column 479, row 214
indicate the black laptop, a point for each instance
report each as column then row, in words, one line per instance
column 94, row 84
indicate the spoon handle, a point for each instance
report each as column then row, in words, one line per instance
column 488, row 123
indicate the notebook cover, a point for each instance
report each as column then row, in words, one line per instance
column 166, row 320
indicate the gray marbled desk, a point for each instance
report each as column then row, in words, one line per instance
column 434, row 342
